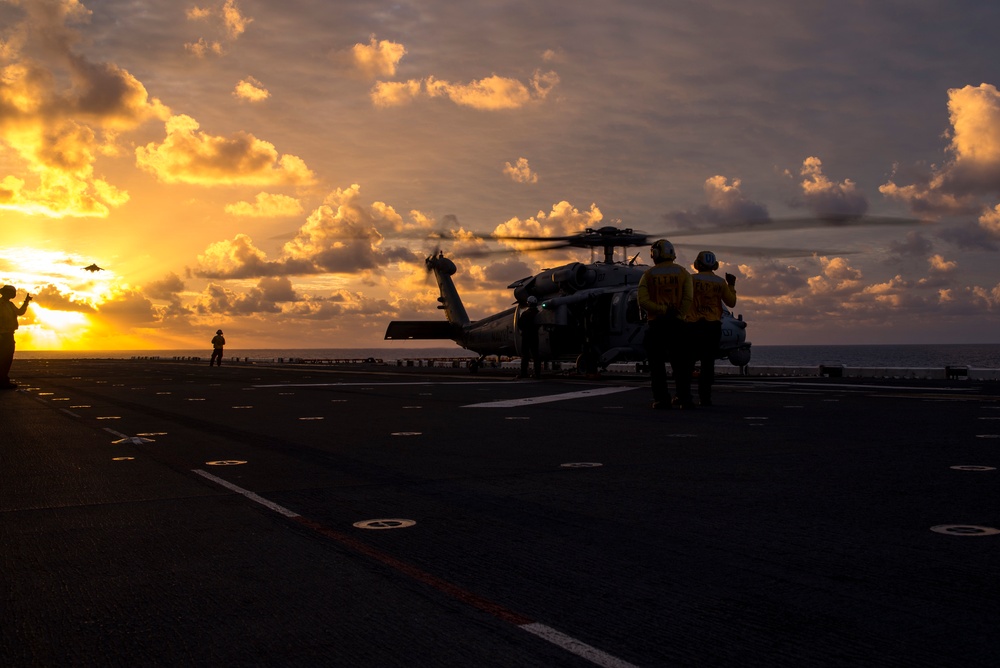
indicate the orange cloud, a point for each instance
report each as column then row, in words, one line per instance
column 60, row 111
column 372, row 60
column 251, row 90
column 232, row 24
column 520, row 172
column 824, row 197
column 187, row 155
column 726, row 204
column 494, row 93
column 266, row 205
column 974, row 168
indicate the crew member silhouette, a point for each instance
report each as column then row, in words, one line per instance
column 218, row 342
column 8, row 324
column 710, row 293
column 665, row 294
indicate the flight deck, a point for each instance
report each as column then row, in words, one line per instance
column 165, row 512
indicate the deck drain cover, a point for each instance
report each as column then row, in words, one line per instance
column 965, row 530
column 384, row 524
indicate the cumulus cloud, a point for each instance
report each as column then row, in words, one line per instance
column 990, row 221
column 342, row 235
column 56, row 299
column 266, row 205
column 563, row 219
column 167, row 288
column 726, row 205
column 251, row 90
column 126, row 307
column 263, row 298
column 520, row 172
column 395, row 93
column 228, row 22
column 493, row 93
column 825, row 198
column 59, row 112
column 240, row 258
column 377, row 58
column 188, row 155
column 972, row 170
column 938, row 265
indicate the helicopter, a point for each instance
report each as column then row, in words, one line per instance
column 588, row 313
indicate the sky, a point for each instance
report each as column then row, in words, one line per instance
column 278, row 169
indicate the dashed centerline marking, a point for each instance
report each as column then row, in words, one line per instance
column 553, row 636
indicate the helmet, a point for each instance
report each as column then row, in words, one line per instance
column 8, row 291
column 219, row 332
column 706, row 261
column 662, row 250
column 532, row 300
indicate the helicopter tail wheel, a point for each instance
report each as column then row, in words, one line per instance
column 586, row 363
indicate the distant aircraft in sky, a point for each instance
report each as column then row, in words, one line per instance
column 92, row 268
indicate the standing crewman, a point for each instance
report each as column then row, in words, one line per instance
column 8, row 324
column 527, row 324
column 665, row 294
column 710, row 293
column 218, row 343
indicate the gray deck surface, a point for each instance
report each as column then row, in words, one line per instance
column 788, row 525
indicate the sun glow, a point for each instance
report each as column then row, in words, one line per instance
column 52, row 330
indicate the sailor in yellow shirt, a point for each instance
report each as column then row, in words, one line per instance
column 665, row 294
column 710, row 293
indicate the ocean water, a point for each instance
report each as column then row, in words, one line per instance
column 978, row 356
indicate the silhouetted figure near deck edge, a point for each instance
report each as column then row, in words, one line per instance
column 218, row 342
column 8, row 324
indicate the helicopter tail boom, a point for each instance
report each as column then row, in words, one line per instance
column 422, row 329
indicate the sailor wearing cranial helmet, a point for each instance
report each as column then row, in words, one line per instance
column 705, row 329
column 665, row 294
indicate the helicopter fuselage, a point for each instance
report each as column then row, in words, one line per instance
column 588, row 313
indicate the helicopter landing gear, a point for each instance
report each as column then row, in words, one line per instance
column 587, row 363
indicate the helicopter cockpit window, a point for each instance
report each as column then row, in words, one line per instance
column 633, row 313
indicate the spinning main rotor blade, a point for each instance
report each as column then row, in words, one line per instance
column 804, row 223
column 764, row 252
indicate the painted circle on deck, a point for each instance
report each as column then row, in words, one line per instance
column 406, row 433
column 384, row 524
column 965, row 530
column 122, row 459
column 581, row 465
column 987, row 435
column 972, row 467
column 226, row 462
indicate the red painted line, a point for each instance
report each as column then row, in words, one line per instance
column 412, row 571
